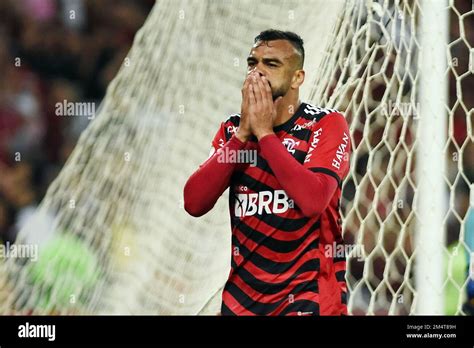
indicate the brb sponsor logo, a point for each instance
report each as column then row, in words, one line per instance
column 270, row 202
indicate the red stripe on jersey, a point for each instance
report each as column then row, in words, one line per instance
column 268, row 253
column 270, row 298
column 310, row 296
column 234, row 305
column 286, row 236
column 266, row 277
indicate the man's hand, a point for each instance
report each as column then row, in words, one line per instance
column 244, row 131
column 262, row 109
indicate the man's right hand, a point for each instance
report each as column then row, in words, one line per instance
column 244, row 132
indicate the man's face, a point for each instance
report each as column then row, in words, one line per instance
column 276, row 60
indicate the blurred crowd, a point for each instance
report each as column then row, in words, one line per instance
column 51, row 51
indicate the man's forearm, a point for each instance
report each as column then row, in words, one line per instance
column 312, row 192
column 206, row 185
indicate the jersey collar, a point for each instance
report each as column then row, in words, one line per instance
column 289, row 124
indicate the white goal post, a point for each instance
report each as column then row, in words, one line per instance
column 432, row 125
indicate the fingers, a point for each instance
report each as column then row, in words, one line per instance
column 268, row 89
column 259, row 89
column 245, row 98
column 245, row 90
column 265, row 92
column 259, row 92
column 262, row 96
column 251, row 95
column 248, row 80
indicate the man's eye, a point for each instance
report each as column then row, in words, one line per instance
column 273, row 65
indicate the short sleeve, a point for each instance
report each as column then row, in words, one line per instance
column 329, row 147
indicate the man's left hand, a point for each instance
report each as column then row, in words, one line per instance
column 262, row 109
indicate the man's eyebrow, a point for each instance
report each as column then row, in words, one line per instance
column 272, row 60
column 266, row 60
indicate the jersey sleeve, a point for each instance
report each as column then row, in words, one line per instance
column 219, row 139
column 329, row 147
column 225, row 132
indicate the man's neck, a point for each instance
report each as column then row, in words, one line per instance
column 287, row 108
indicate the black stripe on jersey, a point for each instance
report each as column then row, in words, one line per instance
column 318, row 113
column 280, row 223
column 261, row 308
column 302, row 134
column 273, row 244
column 226, row 310
column 320, row 116
column 341, row 276
column 343, row 297
column 275, row 221
column 290, row 122
column 263, row 165
column 300, row 156
column 268, row 265
column 274, row 288
column 303, row 306
column 328, row 172
column 234, row 119
column 253, row 184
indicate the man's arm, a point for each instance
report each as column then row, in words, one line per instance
column 312, row 192
column 312, row 185
column 206, row 185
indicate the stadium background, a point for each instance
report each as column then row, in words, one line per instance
column 60, row 60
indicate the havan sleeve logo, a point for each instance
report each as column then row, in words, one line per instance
column 341, row 150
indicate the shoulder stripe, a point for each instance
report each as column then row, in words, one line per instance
column 328, row 172
column 316, row 110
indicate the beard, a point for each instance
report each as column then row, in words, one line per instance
column 279, row 91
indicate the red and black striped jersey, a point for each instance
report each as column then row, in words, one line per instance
column 280, row 264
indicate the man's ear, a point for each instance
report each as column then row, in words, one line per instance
column 298, row 79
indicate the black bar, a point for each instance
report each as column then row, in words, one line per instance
column 139, row 330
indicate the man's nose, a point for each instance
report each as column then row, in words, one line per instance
column 257, row 71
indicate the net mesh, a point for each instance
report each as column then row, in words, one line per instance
column 373, row 74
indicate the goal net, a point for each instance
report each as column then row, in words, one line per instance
column 112, row 233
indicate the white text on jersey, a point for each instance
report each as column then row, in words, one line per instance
column 272, row 202
column 314, row 143
column 341, row 152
